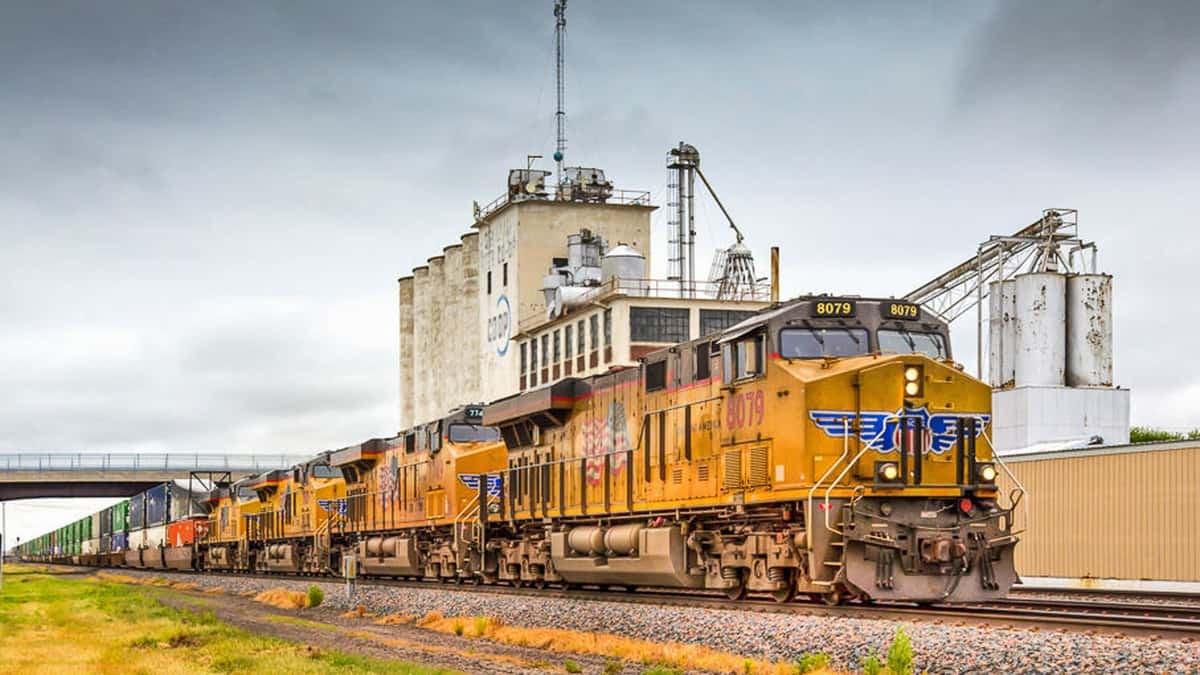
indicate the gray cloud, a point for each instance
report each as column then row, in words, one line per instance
column 1101, row 73
column 204, row 206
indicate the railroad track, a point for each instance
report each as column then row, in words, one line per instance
column 1174, row 621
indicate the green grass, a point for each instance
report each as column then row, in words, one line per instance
column 52, row 624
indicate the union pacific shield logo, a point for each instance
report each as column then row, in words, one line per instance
column 471, row 480
column 875, row 427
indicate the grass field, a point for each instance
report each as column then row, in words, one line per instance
column 63, row 624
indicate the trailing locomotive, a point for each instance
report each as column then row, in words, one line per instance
column 827, row 447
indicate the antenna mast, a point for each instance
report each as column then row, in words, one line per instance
column 560, row 30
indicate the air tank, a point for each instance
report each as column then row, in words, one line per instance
column 1089, row 330
column 623, row 262
column 1040, row 330
column 1001, row 333
column 569, row 297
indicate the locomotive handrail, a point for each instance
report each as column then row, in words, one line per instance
column 812, row 572
column 850, row 464
column 472, row 507
column 1024, row 494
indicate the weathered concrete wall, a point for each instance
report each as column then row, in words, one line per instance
column 450, row 333
column 470, row 328
column 434, row 369
column 420, row 351
column 406, row 348
column 461, row 337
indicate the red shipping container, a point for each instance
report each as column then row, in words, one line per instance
column 184, row 532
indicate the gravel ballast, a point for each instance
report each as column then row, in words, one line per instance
column 774, row 636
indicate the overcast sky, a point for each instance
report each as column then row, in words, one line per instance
column 205, row 206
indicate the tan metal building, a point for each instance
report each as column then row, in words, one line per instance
column 1129, row 512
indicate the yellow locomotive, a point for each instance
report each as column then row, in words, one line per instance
column 412, row 500
column 828, row 447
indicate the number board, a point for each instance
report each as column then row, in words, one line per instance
column 474, row 412
column 833, row 308
column 901, row 310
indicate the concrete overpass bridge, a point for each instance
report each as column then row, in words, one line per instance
column 32, row 475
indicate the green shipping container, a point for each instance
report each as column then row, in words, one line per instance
column 120, row 516
column 85, row 530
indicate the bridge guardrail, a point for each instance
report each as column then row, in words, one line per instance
column 81, row 461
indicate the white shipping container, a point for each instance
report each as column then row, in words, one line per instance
column 154, row 537
column 90, row 547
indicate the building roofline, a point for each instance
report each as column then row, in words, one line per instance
column 1095, row 450
column 556, row 202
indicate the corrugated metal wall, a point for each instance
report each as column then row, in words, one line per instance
column 1120, row 515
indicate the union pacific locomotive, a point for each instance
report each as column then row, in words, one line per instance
column 827, row 447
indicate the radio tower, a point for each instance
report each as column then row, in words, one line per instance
column 560, row 30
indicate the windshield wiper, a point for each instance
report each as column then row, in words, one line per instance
column 857, row 342
column 912, row 344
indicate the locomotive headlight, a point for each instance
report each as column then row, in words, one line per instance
column 887, row 472
column 912, row 381
column 986, row 473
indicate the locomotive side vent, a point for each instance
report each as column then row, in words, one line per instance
column 759, row 467
column 732, row 479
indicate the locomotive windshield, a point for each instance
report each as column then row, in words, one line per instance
column 469, row 433
column 816, row 343
column 326, row 471
column 904, row 342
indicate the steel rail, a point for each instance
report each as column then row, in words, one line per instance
column 1012, row 613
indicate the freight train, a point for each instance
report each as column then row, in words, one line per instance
column 828, row 447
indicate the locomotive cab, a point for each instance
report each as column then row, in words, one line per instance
column 901, row 500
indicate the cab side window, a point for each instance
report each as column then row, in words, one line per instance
column 744, row 358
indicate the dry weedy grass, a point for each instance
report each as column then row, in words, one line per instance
column 282, row 598
column 684, row 656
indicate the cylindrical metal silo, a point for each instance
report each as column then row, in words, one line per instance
column 1089, row 330
column 1041, row 322
column 1001, row 333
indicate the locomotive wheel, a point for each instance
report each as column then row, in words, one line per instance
column 832, row 598
column 539, row 584
column 737, row 591
column 786, row 594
